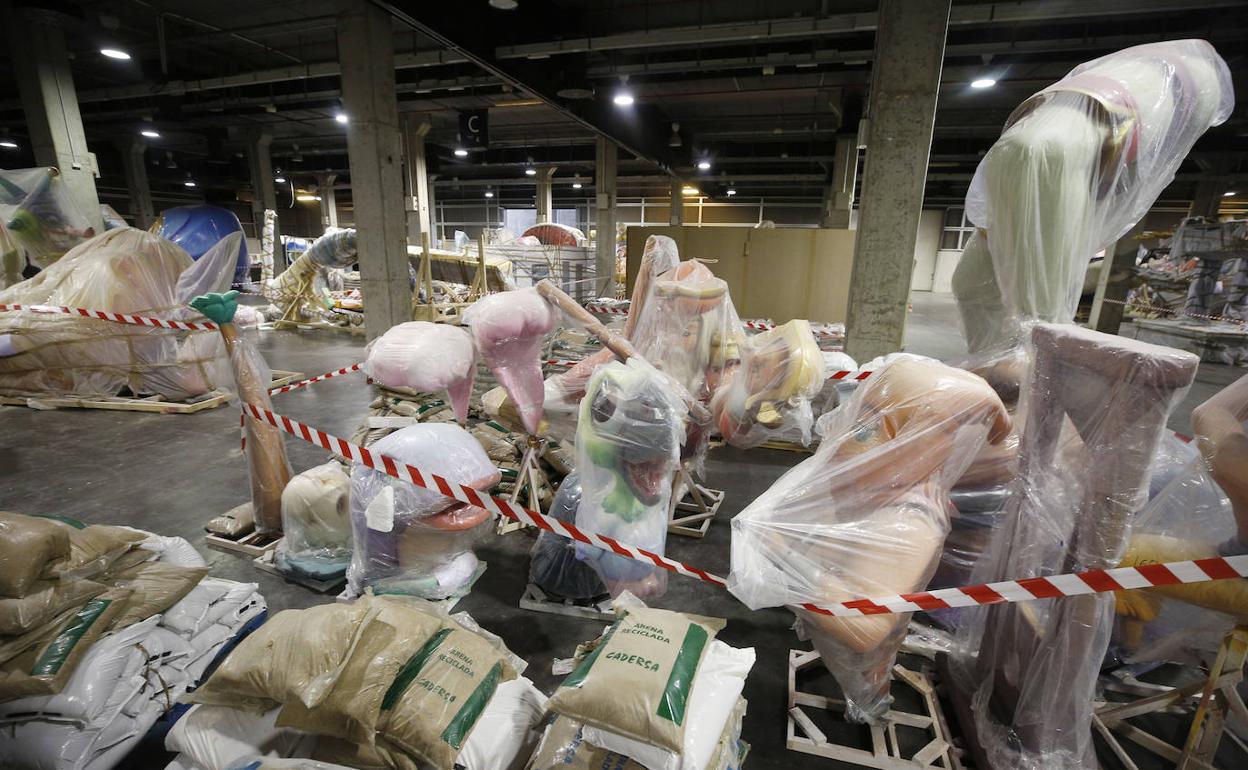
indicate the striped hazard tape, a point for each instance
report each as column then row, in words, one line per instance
column 319, row 378
column 1026, row 589
column 104, row 315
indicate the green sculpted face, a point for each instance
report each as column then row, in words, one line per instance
column 217, row 307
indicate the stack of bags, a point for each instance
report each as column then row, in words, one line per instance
column 378, row 683
column 656, row 691
column 88, row 662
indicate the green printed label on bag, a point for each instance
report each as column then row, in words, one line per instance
column 676, row 693
column 412, row 668
column 54, row 656
column 62, row 519
column 457, row 730
column 577, row 677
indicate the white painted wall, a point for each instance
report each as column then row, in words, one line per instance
column 930, row 223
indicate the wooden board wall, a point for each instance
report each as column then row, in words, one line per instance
column 780, row 273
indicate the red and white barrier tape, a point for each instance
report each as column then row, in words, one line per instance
column 1093, row 581
column 103, row 315
column 1181, row 313
column 319, row 378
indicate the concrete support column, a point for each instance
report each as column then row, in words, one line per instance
column 36, row 46
column 134, row 161
column 677, row 208
column 606, row 162
column 329, row 203
column 263, row 193
column 909, row 51
column 374, row 146
column 419, row 201
column 545, row 202
column 838, row 195
column 1208, row 199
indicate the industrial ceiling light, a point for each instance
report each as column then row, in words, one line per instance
column 189, row 181
column 577, row 185
column 689, row 190
column 704, row 165
column 115, row 53
column 279, row 179
column 530, row 171
column 983, row 83
column 1227, row 194
column 504, row 5
column 460, row 152
column 8, row 144
column 307, row 198
column 150, row 134
column 489, row 193
column 731, row 191
column 674, row 140
column 623, row 98
column 341, row 117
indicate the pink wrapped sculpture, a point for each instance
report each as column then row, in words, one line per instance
column 508, row 328
column 425, row 357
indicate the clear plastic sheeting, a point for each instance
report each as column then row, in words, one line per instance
column 316, row 522
column 866, row 515
column 554, row 566
column 1078, row 165
column 337, row 249
column 122, row 271
column 211, row 273
column 424, row 357
column 628, row 444
column 268, row 468
column 509, row 329
column 40, row 214
column 769, row 395
column 411, row 540
column 1032, row 667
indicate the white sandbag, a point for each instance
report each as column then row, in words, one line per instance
column 719, row 682
column 207, row 603
column 174, row 550
column 215, row 737
column 182, row 762
column 506, row 732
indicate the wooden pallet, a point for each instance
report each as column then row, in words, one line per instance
column 693, row 506
column 265, row 562
column 537, row 600
column 250, row 543
column 153, row 404
column 886, row 753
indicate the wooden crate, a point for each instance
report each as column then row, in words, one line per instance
column 152, row 404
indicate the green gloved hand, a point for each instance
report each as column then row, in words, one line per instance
column 218, row 307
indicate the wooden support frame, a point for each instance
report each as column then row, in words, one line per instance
column 530, row 478
column 693, row 505
column 804, row 736
column 537, row 600
column 151, row 404
column 1218, row 698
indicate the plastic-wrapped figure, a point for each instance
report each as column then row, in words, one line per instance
column 198, row 228
column 508, row 329
column 40, row 214
column 410, row 540
column 769, row 394
column 627, row 451
column 316, row 523
column 554, row 566
column 425, row 357
column 300, row 292
column 867, row 515
column 1078, row 165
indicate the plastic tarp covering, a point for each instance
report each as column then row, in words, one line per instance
column 628, row 444
column 199, row 227
column 550, row 234
column 554, row 566
column 268, row 467
column 770, row 394
column 316, row 522
column 40, row 214
column 1078, row 165
column 212, row 272
column 11, row 259
column 425, row 357
column 337, row 248
column 122, row 271
column 508, row 329
column 411, row 540
column 866, row 515
column 1031, row 668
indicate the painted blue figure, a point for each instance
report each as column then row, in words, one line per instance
column 198, row 228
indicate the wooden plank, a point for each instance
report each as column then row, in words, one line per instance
column 151, row 404
column 251, row 545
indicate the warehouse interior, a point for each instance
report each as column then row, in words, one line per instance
column 663, row 384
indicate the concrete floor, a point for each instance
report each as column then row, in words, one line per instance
column 171, row 473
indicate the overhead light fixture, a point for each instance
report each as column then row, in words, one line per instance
column 150, row 134
column 577, row 185
column 704, row 165
column 279, row 179
column 731, row 191
column 460, row 152
column 1227, row 194
column 623, row 98
column 530, row 171
column 689, row 190
column 489, row 193
column 341, row 117
column 674, row 140
column 169, row 161
column 307, row 198
column 8, row 144
column 189, row 181
column 983, row 83
column 504, row 5
column 115, row 53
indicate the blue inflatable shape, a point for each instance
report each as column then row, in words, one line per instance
column 198, row 228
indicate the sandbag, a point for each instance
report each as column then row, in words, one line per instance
column 352, row 706
column 636, row 682
column 27, row 545
column 438, row 696
column 506, row 732
column 296, row 656
column 154, row 588
column 42, row 667
column 563, row 747
column 92, row 548
column 46, row 600
column 215, row 737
